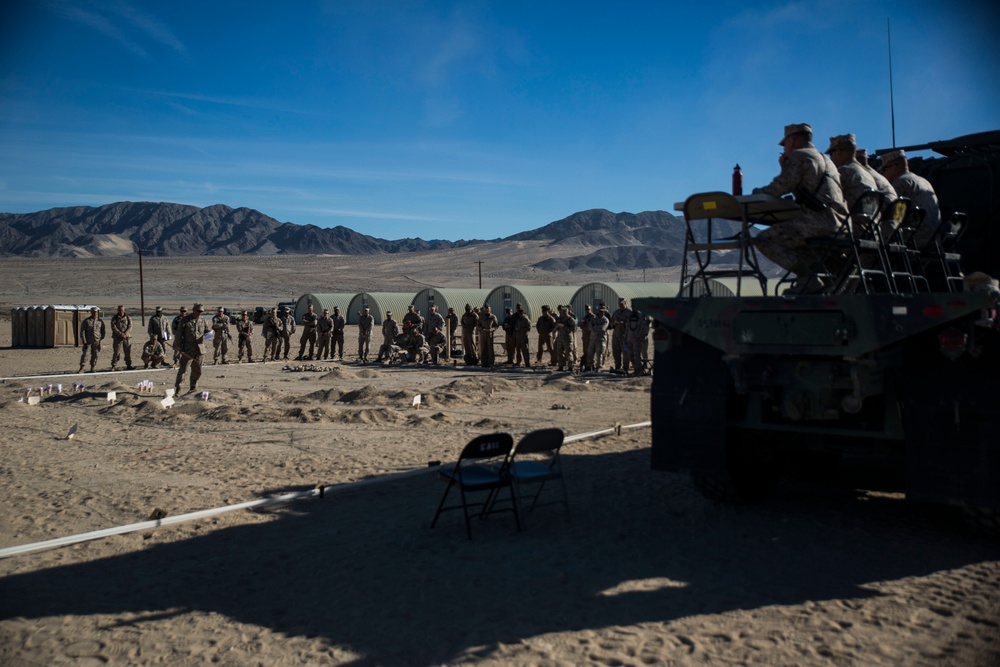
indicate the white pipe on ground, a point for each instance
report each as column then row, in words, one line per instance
column 252, row 504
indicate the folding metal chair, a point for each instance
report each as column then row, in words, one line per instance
column 484, row 465
column 856, row 253
column 710, row 207
column 536, row 461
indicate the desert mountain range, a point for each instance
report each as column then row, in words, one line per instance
column 606, row 240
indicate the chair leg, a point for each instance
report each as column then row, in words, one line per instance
column 465, row 511
column 441, row 504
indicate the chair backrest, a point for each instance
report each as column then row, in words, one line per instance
column 488, row 446
column 893, row 214
column 712, row 205
column 543, row 440
column 869, row 203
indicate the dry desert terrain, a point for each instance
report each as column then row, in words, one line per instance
column 643, row 571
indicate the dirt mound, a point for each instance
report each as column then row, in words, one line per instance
column 427, row 420
column 368, row 374
column 367, row 394
column 370, row 416
column 339, row 374
column 318, row 396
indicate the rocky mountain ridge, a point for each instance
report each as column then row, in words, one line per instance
column 607, row 240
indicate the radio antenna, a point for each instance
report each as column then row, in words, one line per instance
column 892, row 106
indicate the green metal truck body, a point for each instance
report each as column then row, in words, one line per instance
column 742, row 385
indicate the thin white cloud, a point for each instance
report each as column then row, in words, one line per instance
column 101, row 24
column 120, row 22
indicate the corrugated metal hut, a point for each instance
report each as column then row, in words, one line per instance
column 532, row 297
column 446, row 298
column 727, row 287
column 379, row 302
column 320, row 301
column 609, row 293
column 47, row 326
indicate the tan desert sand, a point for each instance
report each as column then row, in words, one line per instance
column 644, row 571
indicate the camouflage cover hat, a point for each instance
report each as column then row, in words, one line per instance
column 221, row 309
column 893, row 156
column 842, row 141
column 198, row 308
column 795, row 128
column 159, row 309
column 183, row 309
column 94, row 309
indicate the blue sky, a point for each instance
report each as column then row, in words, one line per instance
column 462, row 119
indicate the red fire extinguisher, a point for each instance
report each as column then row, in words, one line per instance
column 737, row 181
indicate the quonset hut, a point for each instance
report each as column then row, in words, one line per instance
column 594, row 294
column 320, row 301
column 446, row 298
column 532, row 297
column 379, row 303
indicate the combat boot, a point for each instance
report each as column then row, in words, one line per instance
column 177, row 390
column 81, row 369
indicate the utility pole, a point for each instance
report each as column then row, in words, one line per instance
column 142, row 292
column 480, row 263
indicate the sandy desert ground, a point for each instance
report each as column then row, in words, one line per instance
column 644, row 571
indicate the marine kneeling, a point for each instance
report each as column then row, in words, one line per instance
column 153, row 352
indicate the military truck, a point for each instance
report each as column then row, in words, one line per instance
column 745, row 385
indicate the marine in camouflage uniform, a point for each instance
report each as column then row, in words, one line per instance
column 436, row 342
column 366, row 323
column 309, row 322
column 121, row 338
column 854, row 179
column 814, row 180
column 598, row 326
column 152, row 352
column 508, row 334
column 545, row 325
column 882, row 184
column 565, row 330
column 588, row 315
column 158, row 326
column 917, row 189
column 521, row 327
column 220, row 336
column 390, row 329
column 412, row 319
column 92, row 332
column 469, row 323
column 487, row 326
column 244, row 335
column 324, row 331
column 287, row 321
column 434, row 320
column 637, row 339
column 175, row 331
column 619, row 319
column 192, row 335
column 272, row 336
column 337, row 341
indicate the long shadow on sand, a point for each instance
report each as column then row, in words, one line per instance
column 363, row 569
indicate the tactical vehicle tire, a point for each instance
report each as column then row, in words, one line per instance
column 983, row 520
